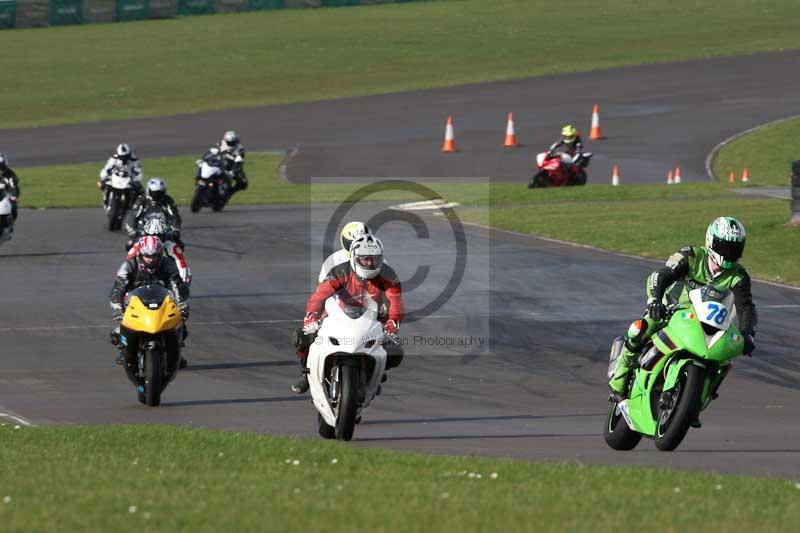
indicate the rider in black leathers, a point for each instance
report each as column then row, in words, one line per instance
column 155, row 199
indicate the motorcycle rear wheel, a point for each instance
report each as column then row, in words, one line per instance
column 348, row 403
column 617, row 434
column 152, row 377
column 672, row 424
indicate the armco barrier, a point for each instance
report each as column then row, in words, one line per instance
column 8, row 14
column 195, row 7
column 33, row 13
column 98, row 11
column 257, row 5
column 163, row 9
column 38, row 13
column 132, row 10
column 63, row 12
column 231, row 6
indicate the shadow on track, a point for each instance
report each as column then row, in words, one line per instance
column 484, row 437
column 230, row 366
column 232, row 401
column 475, row 419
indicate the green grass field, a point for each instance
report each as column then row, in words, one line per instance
column 666, row 218
column 104, row 71
column 148, row 478
column 768, row 154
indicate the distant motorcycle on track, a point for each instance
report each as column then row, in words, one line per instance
column 560, row 170
column 212, row 184
column 6, row 216
column 118, row 197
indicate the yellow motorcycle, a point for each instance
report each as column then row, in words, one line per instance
column 150, row 338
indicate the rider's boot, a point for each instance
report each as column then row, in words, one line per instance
column 301, row 385
column 114, row 338
column 619, row 381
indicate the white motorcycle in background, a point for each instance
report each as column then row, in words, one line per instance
column 346, row 363
column 6, row 219
column 119, row 197
column 212, row 183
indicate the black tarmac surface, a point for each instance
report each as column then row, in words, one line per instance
column 535, row 388
column 545, row 312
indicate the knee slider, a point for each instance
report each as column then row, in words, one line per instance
column 302, row 341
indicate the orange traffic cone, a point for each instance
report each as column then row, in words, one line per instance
column 745, row 175
column 615, row 176
column 449, row 137
column 670, row 181
column 732, row 177
column 677, row 175
column 511, row 136
column 595, row 133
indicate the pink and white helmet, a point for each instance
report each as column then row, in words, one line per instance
column 151, row 250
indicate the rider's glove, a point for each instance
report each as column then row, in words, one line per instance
column 116, row 312
column 311, row 323
column 749, row 344
column 656, row 310
column 391, row 328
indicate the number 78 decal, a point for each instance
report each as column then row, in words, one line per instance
column 717, row 313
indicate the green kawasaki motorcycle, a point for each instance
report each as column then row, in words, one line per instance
column 678, row 372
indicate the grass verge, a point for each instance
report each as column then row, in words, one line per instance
column 150, row 68
column 653, row 221
column 134, row 478
column 768, row 154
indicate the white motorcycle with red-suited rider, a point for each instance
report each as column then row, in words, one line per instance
column 346, row 363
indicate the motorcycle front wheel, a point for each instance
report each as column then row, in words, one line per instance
column 152, row 376
column 114, row 208
column 617, row 434
column 325, row 431
column 539, row 180
column 348, row 403
column 197, row 200
column 677, row 410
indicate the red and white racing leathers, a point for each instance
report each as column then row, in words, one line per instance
column 175, row 252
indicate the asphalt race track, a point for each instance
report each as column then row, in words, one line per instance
column 544, row 312
column 655, row 117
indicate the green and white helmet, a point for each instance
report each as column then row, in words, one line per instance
column 725, row 241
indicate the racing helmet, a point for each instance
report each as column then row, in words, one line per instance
column 156, row 189
column 151, row 251
column 352, row 231
column 124, row 151
column 568, row 133
column 366, row 256
column 3, row 163
column 725, row 239
column 230, row 140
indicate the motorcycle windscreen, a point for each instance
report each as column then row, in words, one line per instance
column 152, row 296
column 355, row 306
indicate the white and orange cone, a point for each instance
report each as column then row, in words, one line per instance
column 595, row 133
column 732, row 177
column 615, row 176
column 670, row 181
column 677, row 175
column 745, row 175
column 511, row 136
column 449, row 137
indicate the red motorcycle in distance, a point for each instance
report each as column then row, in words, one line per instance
column 560, row 170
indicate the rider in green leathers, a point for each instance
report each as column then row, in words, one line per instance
column 689, row 268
